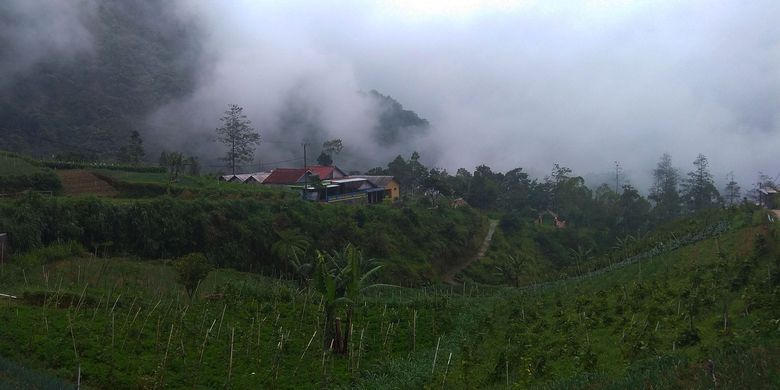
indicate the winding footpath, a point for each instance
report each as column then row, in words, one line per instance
column 449, row 276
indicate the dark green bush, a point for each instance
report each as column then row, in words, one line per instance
column 100, row 165
column 191, row 270
column 45, row 180
column 239, row 233
column 51, row 253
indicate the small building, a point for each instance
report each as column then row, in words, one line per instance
column 769, row 197
column 391, row 186
column 459, row 202
column 289, row 177
column 325, row 172
column 257, row 178
column 327, row 184
column 351, row 190
column 248, row 178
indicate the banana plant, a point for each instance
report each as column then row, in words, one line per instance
column 580, row 255
column 341, row 277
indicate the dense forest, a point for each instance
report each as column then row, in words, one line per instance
column 141, row 57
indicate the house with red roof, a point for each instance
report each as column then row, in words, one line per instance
column 287, row 176
column 325, row 172
column 327, row 184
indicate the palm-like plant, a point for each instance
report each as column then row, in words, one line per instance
column 580, row 255
column 341, row 276
column 512, row 269
column 290, row 248
column 622, row 245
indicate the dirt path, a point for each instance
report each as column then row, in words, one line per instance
column 449, row 276
column 77, row 182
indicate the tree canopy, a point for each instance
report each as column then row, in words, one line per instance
column 237, row 134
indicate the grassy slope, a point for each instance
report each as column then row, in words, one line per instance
column 19, row 174
column 151, row 184
column 625, row 328
column 12, row 166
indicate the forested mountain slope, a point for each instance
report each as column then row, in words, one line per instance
column 139, row 56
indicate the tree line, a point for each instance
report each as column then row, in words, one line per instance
column 607, row 211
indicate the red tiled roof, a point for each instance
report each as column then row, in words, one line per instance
column 284, row 176
column 326, row 172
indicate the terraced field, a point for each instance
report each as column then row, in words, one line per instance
column 77, row 182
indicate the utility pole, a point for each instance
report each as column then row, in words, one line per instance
column 617, row 177
column 305, row 176
column 304, row 154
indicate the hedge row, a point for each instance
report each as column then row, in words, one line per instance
column 42, row 181
column 241, row 233
column 54, row 164
column 100, row 165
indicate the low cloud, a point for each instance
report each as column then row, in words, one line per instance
column 503, row 83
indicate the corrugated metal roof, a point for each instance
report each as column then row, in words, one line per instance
column 379, row 181
column 260, row 176
column 349, row 180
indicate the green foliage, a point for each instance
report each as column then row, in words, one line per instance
column 100, row 165
column 395, row 122
column 340, row 277
column 94, row 100
column 240, row 233
column 191, row 269
column 236, row 134
column 325, row 159
column 18, row 174
column 699, row 190
column 665, row 192
column 618, row 329
column 18, row 377
column 329, row 148
column 50, row 254
column 135, row 149
column 41, row 181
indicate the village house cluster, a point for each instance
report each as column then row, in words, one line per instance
column 327, row 184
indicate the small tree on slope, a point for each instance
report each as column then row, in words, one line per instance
column 238, row 136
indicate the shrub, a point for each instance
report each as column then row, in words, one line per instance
column 192, row 269
column 45, row 180
column 51, row 253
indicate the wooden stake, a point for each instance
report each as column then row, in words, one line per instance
column 309, row 344
column 73, row 338
column 446, row 369
column 435, row 355
column 205, row 339
column 230, row 364
column 360, row 349
column 414, row 331
column 219, row 329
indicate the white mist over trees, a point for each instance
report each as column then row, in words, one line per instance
column 518, row 84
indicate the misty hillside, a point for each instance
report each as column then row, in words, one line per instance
column 395, row 121
column 84, row 97
column 87, row 102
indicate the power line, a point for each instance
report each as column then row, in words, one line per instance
column 261, row 163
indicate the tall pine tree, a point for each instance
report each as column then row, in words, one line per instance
column 238, row 136
column 699, row 190
column 664, row 192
